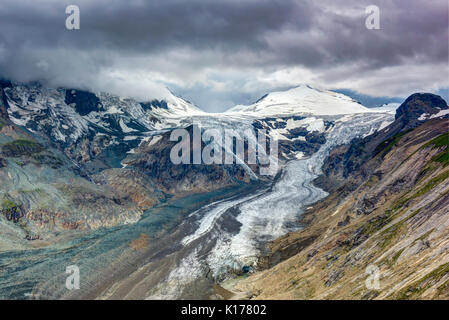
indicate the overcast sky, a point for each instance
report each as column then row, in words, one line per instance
column 219, row 53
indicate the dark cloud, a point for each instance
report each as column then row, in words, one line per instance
column 219, row 53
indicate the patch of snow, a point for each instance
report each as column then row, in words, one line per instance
column 125, row 128
column 155, row 140
column 384, row 124
column 423, row 116
column 128, row 138
column 442, row 113
column 20, row 122
column 113, row 110
column 276, row 134
column 369, row 133
column 300, row 138
column 299, row 155
column 315, row 124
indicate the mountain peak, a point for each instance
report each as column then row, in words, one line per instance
column 419, row 107
column 302, row 99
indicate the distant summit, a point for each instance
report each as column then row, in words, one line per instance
column 301, row 99
column 419, row 107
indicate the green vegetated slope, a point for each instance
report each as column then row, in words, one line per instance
column 390, row 214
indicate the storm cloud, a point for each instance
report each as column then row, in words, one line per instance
column 221, row 53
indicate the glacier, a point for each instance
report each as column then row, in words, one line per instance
column 262, row 217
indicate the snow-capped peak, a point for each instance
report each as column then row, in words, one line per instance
column 177, row 107
column 165, row 104
column 302, row 99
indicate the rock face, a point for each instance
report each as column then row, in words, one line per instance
column 153, row 159
column 3, row 100
column 21, row 147
column 12, row 211
column 85, row 102
column 130, row 184
column 346, row 160
column 417, row 104
column 297, row 134
column 386, row 212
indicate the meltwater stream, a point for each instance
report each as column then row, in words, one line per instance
column 193, row 242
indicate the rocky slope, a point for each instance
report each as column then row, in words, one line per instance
column 73, row 160
column 43, row 193
column 93, row 129
column 60, row 161
column 386, row 216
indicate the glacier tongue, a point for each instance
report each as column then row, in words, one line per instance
column 274, row 214
column 263, row 216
